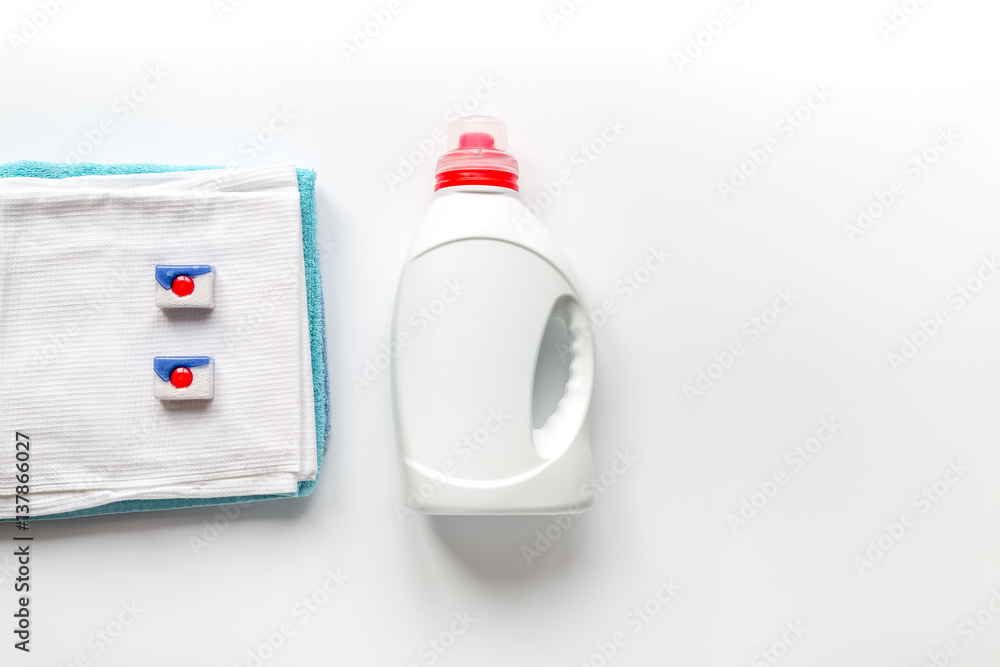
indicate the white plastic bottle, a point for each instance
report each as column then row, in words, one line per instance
column 481, row 282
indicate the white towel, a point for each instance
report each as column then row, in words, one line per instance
column 79, row 329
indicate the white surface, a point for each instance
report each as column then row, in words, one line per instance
column 665, row 514
column 79, row 332
column 481, row 282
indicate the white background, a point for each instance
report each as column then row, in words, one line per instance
column 795, row 560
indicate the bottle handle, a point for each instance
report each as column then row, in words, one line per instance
column 561, row 429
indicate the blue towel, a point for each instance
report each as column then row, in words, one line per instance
column 317, row 323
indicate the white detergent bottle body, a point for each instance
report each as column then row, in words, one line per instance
column 481, row 282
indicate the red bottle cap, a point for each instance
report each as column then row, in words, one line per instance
column 477, row 155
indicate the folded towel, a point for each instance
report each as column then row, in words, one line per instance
column 79, row 329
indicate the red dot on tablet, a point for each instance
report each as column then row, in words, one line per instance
column 182, row 286
column 181, row 377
